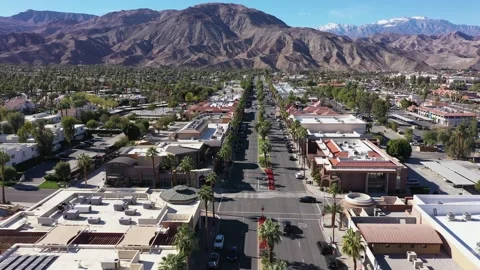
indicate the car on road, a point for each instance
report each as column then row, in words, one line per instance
column 292, row 158
column 307, row 199
column 333, row 264
column 413, row 182
column 213, row 260
column 290, row 150
column 325, row 248
column 232, row 254
column 299, row 175
column 287, row 226
column 219, row 240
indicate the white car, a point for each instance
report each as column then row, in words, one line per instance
column 299, row 175
column 219, row 239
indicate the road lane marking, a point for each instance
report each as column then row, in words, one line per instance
column 303, row 261
column 299, row 245
column 220, row 204
column 268, row 213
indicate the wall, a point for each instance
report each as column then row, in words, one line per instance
column 333, row 128
column 384, row 220
column 21, row 152
column 403, row 248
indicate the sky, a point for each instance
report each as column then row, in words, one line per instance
column 305, row 13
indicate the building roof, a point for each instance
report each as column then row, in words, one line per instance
column 399, row 234
column 179, row 195
column 124, row 160
column 445, row 113
column 179, row 150
column 61, row 235
column 138, row 236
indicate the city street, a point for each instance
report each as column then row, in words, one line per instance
column 241, row 199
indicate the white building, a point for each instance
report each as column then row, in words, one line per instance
column 59, row 135
column 456, row 218
column 19, row 152
column 331, row 124
column 446, row 116
column 49, row 118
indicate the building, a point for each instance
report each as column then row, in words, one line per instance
column 314, row 109
column 20, row 152
column 226, row 108
column 59, row 135
column 202, row 130
column 20, row 103
column 446, row 116
column 356, row 165
column 331, row 124
column 134, row 168
column 456, row 218
column 97, row 229
column 49, row 118
column 284, row 89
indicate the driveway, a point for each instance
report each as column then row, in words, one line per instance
column 23, row 196
column 35, row 176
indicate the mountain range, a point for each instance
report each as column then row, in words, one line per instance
column 418, row 25
column 217, row 36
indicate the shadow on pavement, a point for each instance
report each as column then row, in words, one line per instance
column 302, row 266
column 234, row 232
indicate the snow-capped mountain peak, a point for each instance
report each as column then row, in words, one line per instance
column 403, row 25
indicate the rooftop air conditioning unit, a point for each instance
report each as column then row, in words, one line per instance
column 451, row 216
column 478, row 247
column 411, row 255
column 417, row 263
column 467, row 216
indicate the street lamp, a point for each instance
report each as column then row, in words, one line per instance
column 263, row 209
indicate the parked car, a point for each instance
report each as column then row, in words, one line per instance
column 333, row 264
column 307, row 199
column 325, row 248
column 232, row 254
column 213, row 260
column 290, row 150
column 412, row 182
column 287, row 227
column 299, row 175
column 292, row 158
column 219, row 240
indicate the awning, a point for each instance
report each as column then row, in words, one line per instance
column 60, row 235
column 138, row 237
column 449, row 175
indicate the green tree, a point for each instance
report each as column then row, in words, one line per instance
column 4, row 159
column 277, row 265
column 185, row 242
column 131, row 131
column 334, row 208
column 62, row 171
column 405, row 103
column 152, row 152
column 409, row 134
column 460, row 144
column 380, row 108
column 477, row 185
column 151, row 107
column 172, row 262
column 104, row 118
column 170, row 163
column 68, row 124
column 225, row 154
column 92, row 124
column 10, row 173
column 399, row 148
column 187, row 165
column 271, row 233
column 352, row 246
column 189, row 97
column 430, row 137
column 44, row 139
column 25, row 131
column 84, row 162
column 265, row 148
column 7, row 128
column 16, row 120
column 210, row 180
column 206, row 195
column 443, row 135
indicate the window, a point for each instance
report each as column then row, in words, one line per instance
column 412, row 246
column 12, row 156
column 424, row 246
column 399, row 246
column 387, row 245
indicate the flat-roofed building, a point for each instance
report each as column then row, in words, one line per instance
column 446, row 116
column 227, row 108
column 357, row 165
column 96, row 229
column 331, row 124
column 456, row 219
column 20, row 152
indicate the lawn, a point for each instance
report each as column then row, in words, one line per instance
column 49, row 185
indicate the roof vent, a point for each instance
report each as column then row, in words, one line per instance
column 467, row 216
column 451, row 216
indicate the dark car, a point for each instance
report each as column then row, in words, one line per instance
column 333, row 264
column 290, row 150
column 292, row 158
column 213, row 260
column 325, row 248
column 307, row 199
column 232, row 254
column 287, row 227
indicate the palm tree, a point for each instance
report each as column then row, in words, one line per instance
column 278, row 265
column 185, row 242
column 265, row 148
column 170, row 163
column 187, row 165
column 352, row 246
column 334, row 208
column 302, row 135
column 152, row 152
column 84, row 163
column 4, row 159
column 211, row 180
column 173, row 262
column 206, row 195
column 271, row 233
column 225, row 153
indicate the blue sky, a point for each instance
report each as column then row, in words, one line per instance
column 308, row 13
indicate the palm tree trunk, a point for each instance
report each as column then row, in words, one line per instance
column 354, row 263
column 85, row 175
column 171, row 178
column 154, row 173
column 4, row 201
column 265, row 157
column 270, row 254
column 213, row 210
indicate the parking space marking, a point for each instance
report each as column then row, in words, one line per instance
column 302, row 225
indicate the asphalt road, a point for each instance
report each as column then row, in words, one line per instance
column 22, row 196
column 242, row 198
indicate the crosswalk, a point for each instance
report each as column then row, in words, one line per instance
column 262, row 195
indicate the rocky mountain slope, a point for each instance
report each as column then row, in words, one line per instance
column 403, row 25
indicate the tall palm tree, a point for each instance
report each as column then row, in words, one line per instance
column 352, row 246
column 4, row 159
column 265, row 148
column 225, row 153
column 271, row 233
column 334, row 208
column 187, row 165
column 170, row 163
column 302, row 134
column 211, row 180
column 84, row 163
column 173, row 262
column 185, row 242
column 206, row 195
column 152, row 152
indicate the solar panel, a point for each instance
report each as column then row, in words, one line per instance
column 36, row 262
column 451, row 176
column 26, row 262
column 15, row 264
column 44, row 265
column 8, row 261
column 469, row 174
